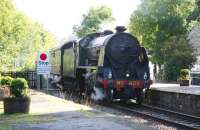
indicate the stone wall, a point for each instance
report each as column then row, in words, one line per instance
column 186, row 103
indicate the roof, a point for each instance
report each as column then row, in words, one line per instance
column 62, row 46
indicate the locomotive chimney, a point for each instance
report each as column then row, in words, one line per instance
column 120, row 29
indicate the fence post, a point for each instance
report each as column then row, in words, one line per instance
column 38, row 82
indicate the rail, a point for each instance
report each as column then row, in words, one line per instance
column 171, row 117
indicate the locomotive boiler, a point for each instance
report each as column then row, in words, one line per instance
column 110, row 64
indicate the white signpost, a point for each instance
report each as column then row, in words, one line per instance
column 42, row 66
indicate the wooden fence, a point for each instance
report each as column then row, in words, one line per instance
column 30, row 76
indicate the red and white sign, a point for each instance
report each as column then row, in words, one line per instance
column 43, row 56
column 42, row 63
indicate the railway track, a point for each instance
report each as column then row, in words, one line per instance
column 184, row 121
column 181, row 120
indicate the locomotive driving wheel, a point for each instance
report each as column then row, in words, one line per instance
column 139, row 97
column 109, row 96
column 89, row 84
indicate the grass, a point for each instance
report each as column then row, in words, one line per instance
column 7, row 121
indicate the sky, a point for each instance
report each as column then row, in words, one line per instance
column 59, row 16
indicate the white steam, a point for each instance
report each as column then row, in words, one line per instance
column 98, row 94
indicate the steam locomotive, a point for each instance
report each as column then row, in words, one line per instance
column 112, row 65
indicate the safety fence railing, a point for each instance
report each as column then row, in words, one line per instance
column 30, row 76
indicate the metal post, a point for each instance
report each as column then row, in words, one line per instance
column 38, row 82
column 47, row 82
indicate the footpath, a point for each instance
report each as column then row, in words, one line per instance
column 52, row 113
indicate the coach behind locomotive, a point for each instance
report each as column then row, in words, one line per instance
column 113, row 64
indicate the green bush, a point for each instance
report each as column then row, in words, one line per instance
column 184, row 72
column 19, row 87
column 6, row 80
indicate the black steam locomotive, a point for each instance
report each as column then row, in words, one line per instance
column 104, row 65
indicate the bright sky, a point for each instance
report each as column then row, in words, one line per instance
column 59, row 16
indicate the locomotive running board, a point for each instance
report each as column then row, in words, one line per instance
column 86, row 67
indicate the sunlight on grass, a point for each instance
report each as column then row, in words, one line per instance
column 6, row 121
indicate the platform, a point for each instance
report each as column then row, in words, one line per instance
column 184, row 99
column 176, row 88
column 52, row 113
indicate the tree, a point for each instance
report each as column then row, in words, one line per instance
column 157, row 23
column 20, row 38
column 178, row 55
column 193, row 22
column 194, row 16
column 93, row 20
column 194, row 37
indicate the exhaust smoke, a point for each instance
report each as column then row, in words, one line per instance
column 98, row 94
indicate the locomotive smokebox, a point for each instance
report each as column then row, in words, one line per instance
column 120, row 29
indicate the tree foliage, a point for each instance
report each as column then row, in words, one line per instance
column 161, row 26
column 20, row 38
column 194, row 23
column 93, row 20
column 195, row 13
column 194, row 36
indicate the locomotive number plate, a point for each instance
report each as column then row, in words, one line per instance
column 134, row 83
column 120, row 82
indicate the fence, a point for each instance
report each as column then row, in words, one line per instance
column 30, row 76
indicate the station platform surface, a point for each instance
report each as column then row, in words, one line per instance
column 176, row 88
column 48, row 112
